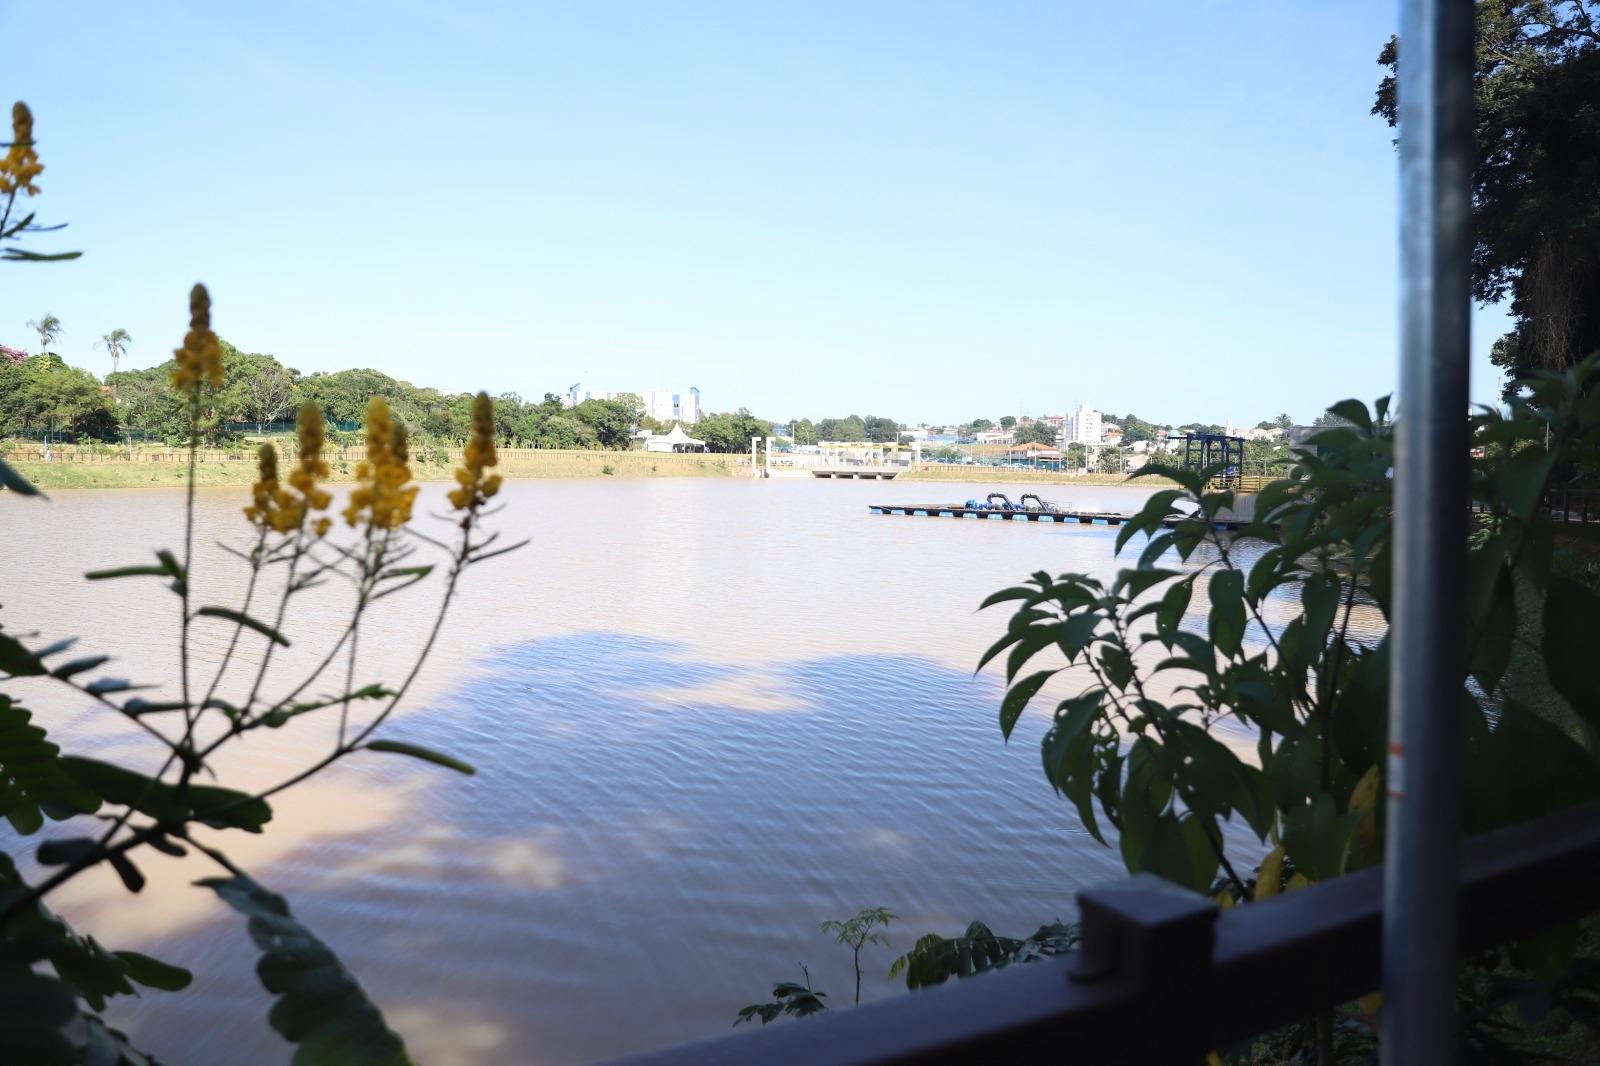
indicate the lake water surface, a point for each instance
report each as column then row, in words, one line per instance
column 706, row 715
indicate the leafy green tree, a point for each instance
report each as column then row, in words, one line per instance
column 788, row 997
column 48, row 328
column 1035, row 433
column 1112, row 461
column 852, row 428
column 1285, row 423
column 881, row 430
column 934, row 959
column 857, row 933
column 611, row 421
column 804, row 431
column 44, row 393
column 1138, row 750
column 731, row 432
column 980, row 424
column 267, row 390
column 1135, row 428
column 1536, row 179
column 1008, row 421
column 344, row 394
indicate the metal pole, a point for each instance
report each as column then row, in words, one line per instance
column 1427, row 642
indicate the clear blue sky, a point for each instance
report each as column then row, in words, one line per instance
column 924, row 210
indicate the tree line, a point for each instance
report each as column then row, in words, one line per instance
column 42, row 395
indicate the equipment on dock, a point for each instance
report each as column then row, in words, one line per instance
column 997, row 507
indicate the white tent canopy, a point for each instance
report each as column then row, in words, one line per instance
column 675, row 441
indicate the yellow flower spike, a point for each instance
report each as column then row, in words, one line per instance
column 309, row 467
column 20, row 165
column 384, row 498
column 479, row 454
column 200, row 358
column 265, row 494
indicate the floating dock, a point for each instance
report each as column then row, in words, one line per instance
column 1029, row 514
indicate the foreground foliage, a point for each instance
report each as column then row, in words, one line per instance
column 54, row 981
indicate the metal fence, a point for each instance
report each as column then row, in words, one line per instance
column 1164, row 976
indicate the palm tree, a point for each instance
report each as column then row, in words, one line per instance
column 48, row 328
column 116, row 343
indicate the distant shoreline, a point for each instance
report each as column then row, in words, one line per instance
column 105, row 472
column 75, row 471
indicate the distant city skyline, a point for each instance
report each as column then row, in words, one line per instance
column 926, row 212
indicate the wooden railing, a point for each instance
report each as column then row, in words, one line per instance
column 1164, row 976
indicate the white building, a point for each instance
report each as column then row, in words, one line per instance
column 1081, row 426
column 663, row 405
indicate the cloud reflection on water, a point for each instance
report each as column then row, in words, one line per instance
column 650, row 839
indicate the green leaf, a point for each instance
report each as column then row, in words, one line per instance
column 244, row 620
column 22, row 255
column 153, row 973
column 1076, row 632
column 132, row 879
column 1037, row 639
column 1571, row 637
column 170, row 564
column 1227, row 611
column 416, row 751
column 104, row 685
column 1068, row 752
column 66, row 852
column 1161, row 848
column 1138, row 582
column 1016, row 699
column 1017, row 593
column 78, row 666
column 935, row 959
column 1319, row 599
column 1520, row 481
column 18, row 661
column 996, row 648
column 1117, row 664
column 1158, row 546
column 219, row 808
column 14, row 481
column 1493, row 641
column 1203, row 860
column 320, row 1005
column 36, row 1013
column 1174, row 602
column 126, row 571
column 32, row 781
column 1354, row 412
column 1317, row 837
column 1524, row 768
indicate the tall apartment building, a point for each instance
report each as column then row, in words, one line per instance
column 663, row 405
column 1081, row 426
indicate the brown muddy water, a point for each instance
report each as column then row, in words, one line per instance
column 706, row 715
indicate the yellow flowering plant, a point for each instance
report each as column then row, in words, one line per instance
column 179, row 809
column 19, row 166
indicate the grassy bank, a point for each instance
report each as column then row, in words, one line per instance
column 1007, row 475
column 107, row 472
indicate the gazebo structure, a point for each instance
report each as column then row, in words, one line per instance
column 675, row 441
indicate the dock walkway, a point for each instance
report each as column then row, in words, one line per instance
column 1082, row 518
